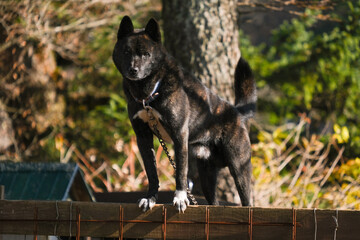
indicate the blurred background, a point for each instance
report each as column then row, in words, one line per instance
column 61, row 97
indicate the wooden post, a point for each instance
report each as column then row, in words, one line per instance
column 2, row 192
column 2, row 197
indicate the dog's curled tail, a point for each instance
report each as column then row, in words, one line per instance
column 245, row 89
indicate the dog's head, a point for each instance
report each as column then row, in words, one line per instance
column 137, row 53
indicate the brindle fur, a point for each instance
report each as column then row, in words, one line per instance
column 202, row 126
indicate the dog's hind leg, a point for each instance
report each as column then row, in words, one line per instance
column 208, row 178
column 242, row 178
column 239, row 163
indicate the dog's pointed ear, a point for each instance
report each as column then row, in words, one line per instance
column 152, row 29
column 126, row 27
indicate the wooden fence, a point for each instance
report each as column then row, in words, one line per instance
column 164, row 222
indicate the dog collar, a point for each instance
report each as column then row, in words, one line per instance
column 153, row 95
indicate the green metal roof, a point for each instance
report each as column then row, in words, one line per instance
column 43, row 181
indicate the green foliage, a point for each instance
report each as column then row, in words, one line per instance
column 97, row 109
column 314, row 73
column 116, row 112
column 294, row 169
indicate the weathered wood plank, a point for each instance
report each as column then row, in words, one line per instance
column 348, row 224
column 198, row 222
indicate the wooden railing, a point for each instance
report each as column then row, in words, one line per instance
column 164, row 222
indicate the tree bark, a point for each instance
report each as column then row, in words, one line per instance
column 203, row 36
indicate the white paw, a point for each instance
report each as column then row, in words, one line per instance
column 180, row 200
column 147, row 203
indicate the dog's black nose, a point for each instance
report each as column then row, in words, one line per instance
column 133, row 70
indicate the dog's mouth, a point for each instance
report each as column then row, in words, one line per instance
column 136, row 76
column 133, row 78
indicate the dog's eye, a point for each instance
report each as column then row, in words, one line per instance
column 146, row 54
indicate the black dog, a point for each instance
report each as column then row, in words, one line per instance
column 202, row 126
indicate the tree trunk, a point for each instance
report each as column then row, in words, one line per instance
column 203, row 37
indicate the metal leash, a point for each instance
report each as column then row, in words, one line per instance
column 153, row 123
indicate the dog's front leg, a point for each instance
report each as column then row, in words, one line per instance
column 146, row 147
column 181, row 156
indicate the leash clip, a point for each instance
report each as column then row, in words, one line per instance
column 145, row 105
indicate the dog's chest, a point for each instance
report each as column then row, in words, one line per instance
column 145, row 116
